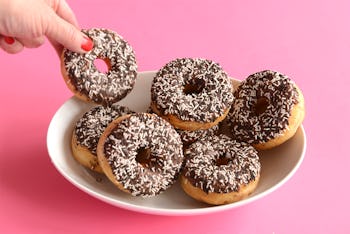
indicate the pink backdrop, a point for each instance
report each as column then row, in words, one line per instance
column 308, row 40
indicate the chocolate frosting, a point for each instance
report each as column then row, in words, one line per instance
column 144, row 131
column 221, row 165
column 91, row 125
column 276, row 92
column 103, row 88
column 193, row 89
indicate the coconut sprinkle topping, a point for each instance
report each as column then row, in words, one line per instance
column 221, row 165
column 144, row 131
column 192, row 89
column 103, row 88
column 91, row 125
column 189, row 137
column 276, row 93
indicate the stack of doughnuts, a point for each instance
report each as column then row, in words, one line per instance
column 141, row 154
column 88, row 130
column 181, row 137
column 112, row 139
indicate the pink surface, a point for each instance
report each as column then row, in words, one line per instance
column 308, row 40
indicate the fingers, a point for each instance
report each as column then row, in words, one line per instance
column 32, row 42
column 60, row 31
column 56, row 21
column 10, row 45
column 15, row 45
column 81, row 43
column 65, row 12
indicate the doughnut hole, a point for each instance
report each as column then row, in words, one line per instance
column 103, row 65
column 261, row 105
column 144, row 157
column 194, row 87
column 222, row 160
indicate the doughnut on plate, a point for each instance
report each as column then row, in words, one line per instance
column 278, row 164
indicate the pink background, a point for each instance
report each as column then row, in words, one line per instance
column 308, row 40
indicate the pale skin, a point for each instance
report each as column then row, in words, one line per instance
column 26, row 24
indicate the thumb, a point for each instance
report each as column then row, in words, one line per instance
column 61, row 33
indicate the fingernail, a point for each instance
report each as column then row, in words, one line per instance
column 9, row 40
column 87, row 44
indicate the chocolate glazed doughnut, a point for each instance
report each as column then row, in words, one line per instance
column 188, row 137
column 88, row 130
column 191, row 93
column 87, row 82
column 219, row 170
column 267, row 110
column 141, row 154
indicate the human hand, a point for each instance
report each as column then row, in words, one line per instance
column 26, row 23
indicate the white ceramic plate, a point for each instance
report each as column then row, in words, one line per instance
column 278, row 164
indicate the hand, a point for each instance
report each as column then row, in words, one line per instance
column 26, row 23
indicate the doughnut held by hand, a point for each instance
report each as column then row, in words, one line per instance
column 89, row 84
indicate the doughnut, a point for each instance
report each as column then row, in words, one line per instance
column 88, row 83
column 267, row 110
column 191, row 93
column 219, row 170
column 141, row 154
column 88, row 130
column 188, row 137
